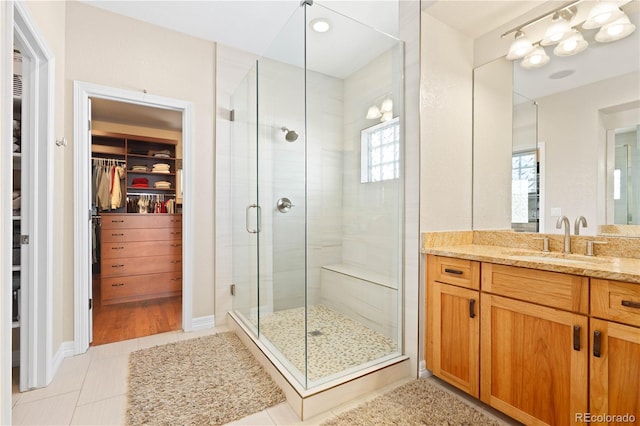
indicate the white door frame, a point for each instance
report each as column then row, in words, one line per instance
column 6, row 227
column 82, row 91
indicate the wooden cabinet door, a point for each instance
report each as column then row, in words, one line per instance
column 455, row 331
column 533, row 361
column 615, row 372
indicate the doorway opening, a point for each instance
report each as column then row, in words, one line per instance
column 136, row 203
column 132, row 237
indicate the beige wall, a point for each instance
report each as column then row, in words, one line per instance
column 119, row 52
column 445, row 127
column 91, row 45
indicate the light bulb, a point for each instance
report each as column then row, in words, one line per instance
column 616, row 30
column 602, row 13
column 535, row 59
column 519, row 47
column 572, row 44
column 387, row 105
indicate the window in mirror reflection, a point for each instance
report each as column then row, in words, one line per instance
column 626, row 177
column 524, row 191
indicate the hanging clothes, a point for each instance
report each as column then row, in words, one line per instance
column 117, row 175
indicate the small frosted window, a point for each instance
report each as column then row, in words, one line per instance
column 380, row 152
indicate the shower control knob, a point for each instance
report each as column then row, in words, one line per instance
column 284, row 205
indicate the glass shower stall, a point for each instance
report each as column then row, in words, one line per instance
column 317, row 197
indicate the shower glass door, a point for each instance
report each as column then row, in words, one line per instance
column 318, row 195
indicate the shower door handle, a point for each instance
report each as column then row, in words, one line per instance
column 249, row 207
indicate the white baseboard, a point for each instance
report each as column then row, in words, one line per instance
column 66, row 349
column 203, row 323
column 422, row 370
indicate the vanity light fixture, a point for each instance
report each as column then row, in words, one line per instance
column 384, row 112
column 564, row 31
column 616, row 30
column 519, row 47
column 558, row 29
column 601, row 14
column 572, row 44
column 535, row 59
column 320, row 25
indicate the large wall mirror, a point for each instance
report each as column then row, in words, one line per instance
column 562, row 139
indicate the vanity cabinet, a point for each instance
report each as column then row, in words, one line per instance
column 615, row 350
column 534, row 347
column 454, row 330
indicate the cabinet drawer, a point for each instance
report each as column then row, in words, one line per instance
column 460, row 272
column 140, row 265
column 615, row 301
column 125, row 221
column 142, row 248
column 554, row 289
column 131, row 235
column 142, row 287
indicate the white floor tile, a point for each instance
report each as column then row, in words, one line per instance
column 57, row 410
column 283, row 414
column 113, row 349
column 110, row 411
column 106, row 379
column 257, row 419
column 157, row 340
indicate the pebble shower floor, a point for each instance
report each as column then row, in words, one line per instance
column 335, row 341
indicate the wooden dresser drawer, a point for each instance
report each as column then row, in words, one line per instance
column 615, row 301
column 132, row 220
column 141, row 248
column 143, row 287
column 132, row 235
column 554, row 289
column 140, row 265
column 460, row 272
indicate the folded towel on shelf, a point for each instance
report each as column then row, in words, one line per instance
column 140, row 185
column 139, row 168
column 163, row 153
column 161, row 168
column 162, row 184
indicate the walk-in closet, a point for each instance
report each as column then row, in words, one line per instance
column 136, row 207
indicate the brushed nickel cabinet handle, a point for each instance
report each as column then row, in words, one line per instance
column 117, row 221
column 117, row 285
column 453, row 271
column 597, row 343
column 117, row 248
column 472, row 308
column 117, row 235
column 117, row 266
column 630, row 304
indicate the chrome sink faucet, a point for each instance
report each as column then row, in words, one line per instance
column 579, row 221
column 567, row 239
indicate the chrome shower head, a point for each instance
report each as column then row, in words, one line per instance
column 290, row 135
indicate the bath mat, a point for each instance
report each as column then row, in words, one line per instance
column 419, row 402
column 209, row 380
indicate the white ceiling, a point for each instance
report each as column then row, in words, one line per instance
column 267, row 27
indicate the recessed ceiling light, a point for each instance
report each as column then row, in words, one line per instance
column 320, row 25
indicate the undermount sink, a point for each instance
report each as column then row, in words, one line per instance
column 556, row 258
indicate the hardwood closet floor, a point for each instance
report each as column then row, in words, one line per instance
column 124, row 321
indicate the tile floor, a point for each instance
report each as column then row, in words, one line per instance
column 90, row 389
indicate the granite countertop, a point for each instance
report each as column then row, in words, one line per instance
column 605, row 267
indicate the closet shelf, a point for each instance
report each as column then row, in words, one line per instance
column 106, row 149
column 132, row 172
column 151, row 157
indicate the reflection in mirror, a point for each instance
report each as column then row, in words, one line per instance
column 626, row 177
column 575, row 150
column 525, row 166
